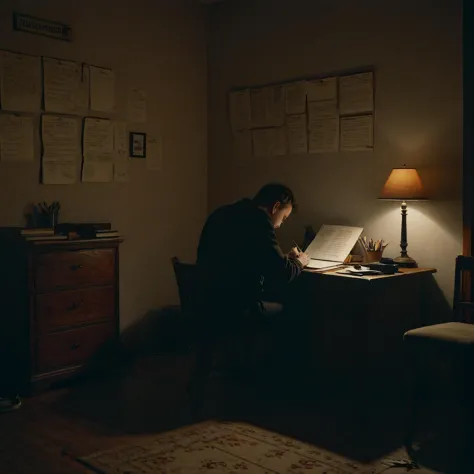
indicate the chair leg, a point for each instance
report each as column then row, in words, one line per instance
column 201, row 370
column 415, row 386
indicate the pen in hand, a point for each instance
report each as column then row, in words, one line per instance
column 297, row 247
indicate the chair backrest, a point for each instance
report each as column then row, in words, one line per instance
column 188, row 281
column 463, row 306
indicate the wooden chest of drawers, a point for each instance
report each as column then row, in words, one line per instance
column 60, row 306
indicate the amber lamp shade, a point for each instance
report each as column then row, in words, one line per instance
column 403, row 184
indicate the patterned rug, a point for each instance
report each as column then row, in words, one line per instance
column 220, row 447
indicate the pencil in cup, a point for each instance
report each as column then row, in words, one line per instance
column 373, row 249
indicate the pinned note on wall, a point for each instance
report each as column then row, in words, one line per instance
column 16, row 138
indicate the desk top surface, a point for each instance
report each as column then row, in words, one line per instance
column 403, row 272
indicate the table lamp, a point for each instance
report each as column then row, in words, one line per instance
column 403, row 184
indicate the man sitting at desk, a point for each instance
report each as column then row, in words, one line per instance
column 238, row 252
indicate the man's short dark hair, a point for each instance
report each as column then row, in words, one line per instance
column 273, row 192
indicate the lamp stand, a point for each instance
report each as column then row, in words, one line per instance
column 404, row 260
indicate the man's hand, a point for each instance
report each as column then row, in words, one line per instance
column 303, row 258
column 294, row 253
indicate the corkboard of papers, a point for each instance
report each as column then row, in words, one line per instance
column 323, row 115
column 71, row 108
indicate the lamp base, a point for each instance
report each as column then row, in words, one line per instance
column 405, row 262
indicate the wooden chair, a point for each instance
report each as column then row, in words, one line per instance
column 207, row 335
column 453, row 340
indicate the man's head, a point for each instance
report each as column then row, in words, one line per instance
column 277, row 200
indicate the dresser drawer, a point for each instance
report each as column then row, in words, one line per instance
column 72, row 307
column 74, row 269
column 73, row 347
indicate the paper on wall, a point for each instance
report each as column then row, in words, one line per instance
column 98, row 136
column 356, row 93
column 267, row 106
column 59, row 173
column 102, row 89
column 62, row 82
column 324, row 135
column 60, row 138
column 357, row 133
column 275, row 106
column 16, row 138
column 82, row 98
column 297, row 134
column 321, row 109
column 20, row 82
column 322, row 89
column 295, row 98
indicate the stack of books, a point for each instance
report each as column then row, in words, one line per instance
column 106, row 234
column 41, row 234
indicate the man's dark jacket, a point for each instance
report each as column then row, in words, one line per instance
column 237, row 251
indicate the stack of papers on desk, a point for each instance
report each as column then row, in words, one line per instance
column 332, row 245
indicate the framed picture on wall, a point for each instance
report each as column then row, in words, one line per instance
column 137, row 145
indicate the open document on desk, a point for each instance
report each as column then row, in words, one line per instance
column 332, row 245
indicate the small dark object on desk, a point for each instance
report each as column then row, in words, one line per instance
column 385, row 268
column 387, row 260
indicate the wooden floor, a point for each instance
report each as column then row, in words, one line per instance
column 148, row 397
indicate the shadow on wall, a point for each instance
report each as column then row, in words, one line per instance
column 438, row 308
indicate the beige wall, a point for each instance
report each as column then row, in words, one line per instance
column 160, row 46
column 415, row 47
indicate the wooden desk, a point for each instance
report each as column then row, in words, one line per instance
column 359, row 322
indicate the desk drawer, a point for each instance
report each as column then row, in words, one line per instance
column 74, row 269
column 72, row 307
column 72, row 347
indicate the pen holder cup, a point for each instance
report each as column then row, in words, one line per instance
column 373, row 255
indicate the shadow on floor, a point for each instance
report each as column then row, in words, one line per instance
column 149, row 397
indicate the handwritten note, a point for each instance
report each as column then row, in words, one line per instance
column 357, row 133
column 356, row 93
column 16, row 138
column 82, row 98
column 324, row 135
column 62, row 82
column 60, row 137
column 20, row 78
column 322, row 109
column 297, row 134
column 102, row 89
column 333, row 243
column 98, row 136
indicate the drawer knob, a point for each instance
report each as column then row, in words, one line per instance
column 75, row 346
column 75, row 267
column 74, row 306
